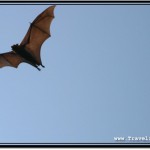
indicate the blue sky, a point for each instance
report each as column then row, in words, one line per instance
column 95, row 84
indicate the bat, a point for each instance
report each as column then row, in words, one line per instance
column 28, row 50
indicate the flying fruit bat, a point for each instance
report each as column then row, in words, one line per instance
column 29, row 49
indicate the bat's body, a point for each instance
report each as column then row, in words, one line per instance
column 29, row 49
column 22, row 52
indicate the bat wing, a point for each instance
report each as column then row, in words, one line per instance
column 10, row 59
column 38, row 32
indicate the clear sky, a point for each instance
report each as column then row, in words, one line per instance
column 96, row 81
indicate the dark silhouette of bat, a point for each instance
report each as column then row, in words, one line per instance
column 29, row 49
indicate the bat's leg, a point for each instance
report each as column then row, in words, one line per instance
column 42, row 66
column 38, row 68
column 34, row 65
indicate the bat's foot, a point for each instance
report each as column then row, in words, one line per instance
column 38, row 68
column 42, row 66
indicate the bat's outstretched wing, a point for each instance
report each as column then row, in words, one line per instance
column 38, row 32
column 10, row 59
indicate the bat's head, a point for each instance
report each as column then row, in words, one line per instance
column 15, row 47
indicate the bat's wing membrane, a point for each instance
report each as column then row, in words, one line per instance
column 10, row 59
column 38, row 32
